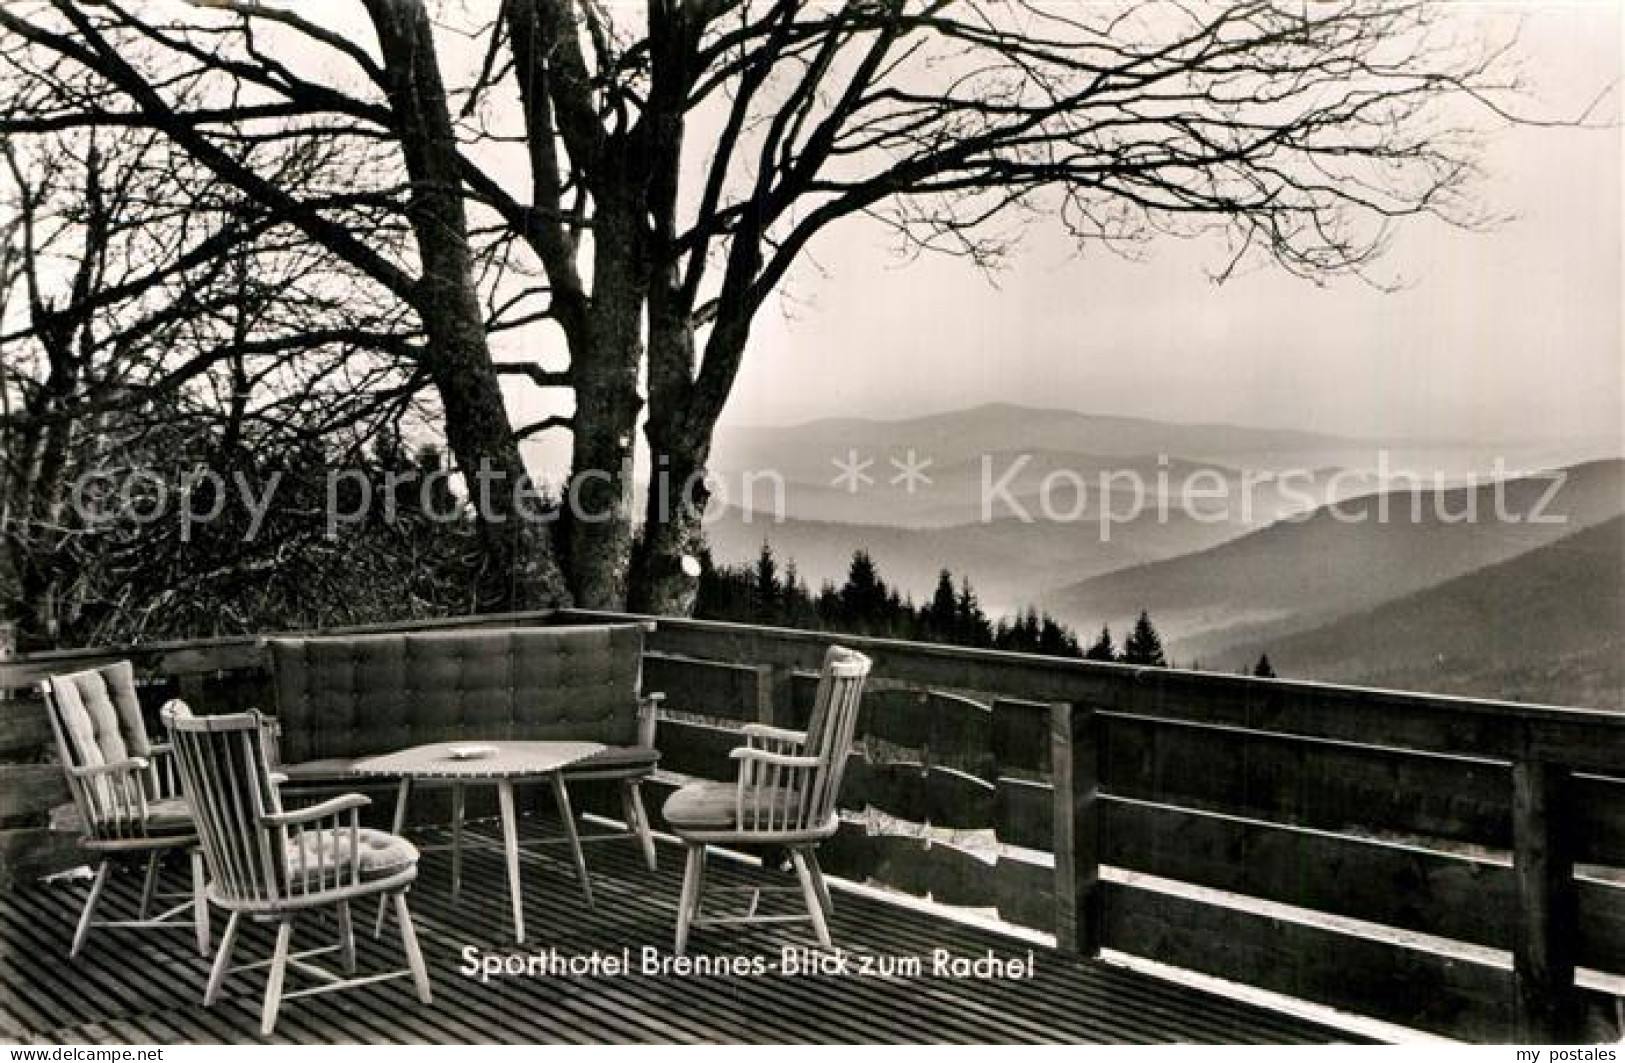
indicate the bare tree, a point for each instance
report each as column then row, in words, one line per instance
column 151, row 320
column 683, row 155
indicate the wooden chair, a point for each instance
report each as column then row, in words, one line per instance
column 785, row 795
column 273, row 865
column 125, row 794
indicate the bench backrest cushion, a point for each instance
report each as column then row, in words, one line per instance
column 364, row 695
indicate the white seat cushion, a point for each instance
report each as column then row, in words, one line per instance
column 714, row 806
column 382, row 854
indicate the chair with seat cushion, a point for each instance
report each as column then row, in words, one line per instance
column 274, row 865
column 785, row 795
column 126, row 798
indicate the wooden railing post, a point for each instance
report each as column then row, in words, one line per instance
column 1546, row 931
column 774, row 696
column 1074, row 753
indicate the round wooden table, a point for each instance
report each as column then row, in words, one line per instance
column 510, row 763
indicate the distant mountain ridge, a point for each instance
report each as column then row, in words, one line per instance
column 1305, row 571
column 1545, row 626
column 804, row 451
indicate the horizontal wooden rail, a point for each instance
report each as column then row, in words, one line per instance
column 1581, row 739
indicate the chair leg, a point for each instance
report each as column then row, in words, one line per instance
column 222, row 960
column 89, row 913
column 637, row 818
column 414, row 955
column 457, row 808
column 279, row 970
column 346, row 938
column 561, row 797
column 200, row 902
column 820, row 884
column 149, row 885
column 809, row 891
column 693, row 869
column 398, row 826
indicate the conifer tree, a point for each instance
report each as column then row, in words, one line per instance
column 767, row 593
column 1103, row 648
column 941, row 618
column 1144, row 645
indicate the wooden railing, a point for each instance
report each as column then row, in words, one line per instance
column 1436, row 862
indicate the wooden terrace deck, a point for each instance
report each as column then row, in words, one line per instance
column 143, row 988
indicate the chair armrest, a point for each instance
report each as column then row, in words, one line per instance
column 118, row 767
column 331, row 807
column 648, row 717
column 783, row 760
column 164, row 775
column 777, row 734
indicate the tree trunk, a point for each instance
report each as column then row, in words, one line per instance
column 597, row 501
column 521, row 570
column 666, row 568
column 598, row 498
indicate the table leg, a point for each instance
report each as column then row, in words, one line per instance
column 510, row 847
column 399, row 825
column 456, row 840
column 561, row 796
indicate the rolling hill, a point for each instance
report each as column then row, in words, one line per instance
column 1306, row 571
column 1546, row 626
column 1010, row 562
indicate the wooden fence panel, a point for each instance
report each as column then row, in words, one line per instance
column 1024, row 814
column 1307, row 783
column 705, row 688
column 1020, row 737
column 1025, row 893
column 1601, row 920
column 937, row 870
column 1598, row 806
column 698, row 750
column 941, row 797
column 1450, row 996
column 1395, row 885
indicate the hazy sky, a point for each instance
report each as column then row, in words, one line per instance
column 1513, row 334
column 1510, row 335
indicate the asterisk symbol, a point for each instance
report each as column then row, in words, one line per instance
column 911, row 472
column 854, row 472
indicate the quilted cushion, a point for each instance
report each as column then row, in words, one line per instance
column 99, row 711
column 357, row 696
column 711, row 805
column 382, row 854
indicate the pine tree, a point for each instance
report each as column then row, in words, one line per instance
column 864, row 597
column 1263, row 669
column 1055, row 640
column 767, row 593
column 974, row 628
column 941, row 616
column 1144, row 645
column 1103, row 648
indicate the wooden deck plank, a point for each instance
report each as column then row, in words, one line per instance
column 146, row 987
